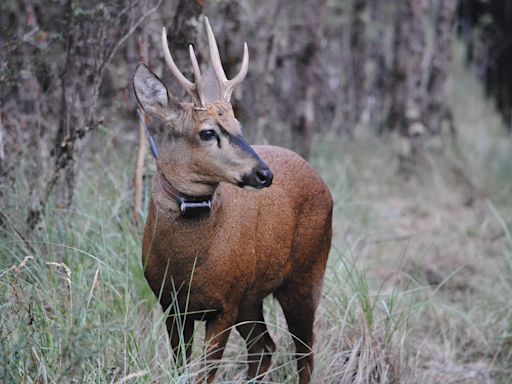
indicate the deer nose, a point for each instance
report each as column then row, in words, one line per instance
column 264, row 177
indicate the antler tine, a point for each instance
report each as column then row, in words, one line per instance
column 195, row 64
column 189, row 86
column 197, row 71
column 214, row 54
column 227, row 86
column 235, row 81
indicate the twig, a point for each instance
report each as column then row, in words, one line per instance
column 141, row 153
column 131, row 376
column 17, row 268
column 130, row 31
column 388, row 239
column 94, row 282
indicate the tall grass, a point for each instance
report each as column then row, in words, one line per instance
column 75, row 307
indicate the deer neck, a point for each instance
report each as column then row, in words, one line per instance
column 178, row 190
column 181, row 203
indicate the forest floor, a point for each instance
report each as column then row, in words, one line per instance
column 442, row 241
column 440, row 238
column 417, row 288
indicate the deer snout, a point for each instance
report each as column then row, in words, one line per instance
column 260, row 177
column 264, row 177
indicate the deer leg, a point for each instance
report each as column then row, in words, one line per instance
column 299, row 307
column 181, row 333
column 259, row 343
column 218, row 329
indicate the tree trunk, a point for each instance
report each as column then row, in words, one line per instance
column 92, row 31
column 407, row 103
column 437, row 109
column 357, row 89
column 378, row 83
column 306, row 40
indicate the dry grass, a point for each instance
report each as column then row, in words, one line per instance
column 445, row 259
column 417, row 288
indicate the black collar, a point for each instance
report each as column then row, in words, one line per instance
column 190, row 206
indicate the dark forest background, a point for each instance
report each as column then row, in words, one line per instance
column 316, row 66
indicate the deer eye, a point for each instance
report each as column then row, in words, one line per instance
column 207, row 134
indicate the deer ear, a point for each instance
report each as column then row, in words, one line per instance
column 210, row 87
column 152, row 94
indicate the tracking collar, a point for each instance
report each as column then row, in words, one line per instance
column 190, row 206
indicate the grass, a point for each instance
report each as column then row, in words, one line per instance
column 79, row 311
column 76, row 307
column 417, row 288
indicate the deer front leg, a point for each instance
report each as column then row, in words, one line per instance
column 218, row 329
column 181, row 333
column 251, row 326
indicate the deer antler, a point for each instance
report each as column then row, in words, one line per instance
column 227, row 86
column 194, row 89
column 191, row 88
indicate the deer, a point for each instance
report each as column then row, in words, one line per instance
column 228, row 223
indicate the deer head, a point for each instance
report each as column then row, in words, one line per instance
column 204, row 144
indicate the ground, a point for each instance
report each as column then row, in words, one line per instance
column 417, row 288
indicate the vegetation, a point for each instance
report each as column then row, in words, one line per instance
column 418, row 284
column 417, row 288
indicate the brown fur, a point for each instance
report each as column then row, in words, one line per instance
column 219, row 268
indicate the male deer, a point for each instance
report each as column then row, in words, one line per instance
column 212, row 249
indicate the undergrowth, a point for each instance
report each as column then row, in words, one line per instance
column 417, row 288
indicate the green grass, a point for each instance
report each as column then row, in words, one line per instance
column 417, row 288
